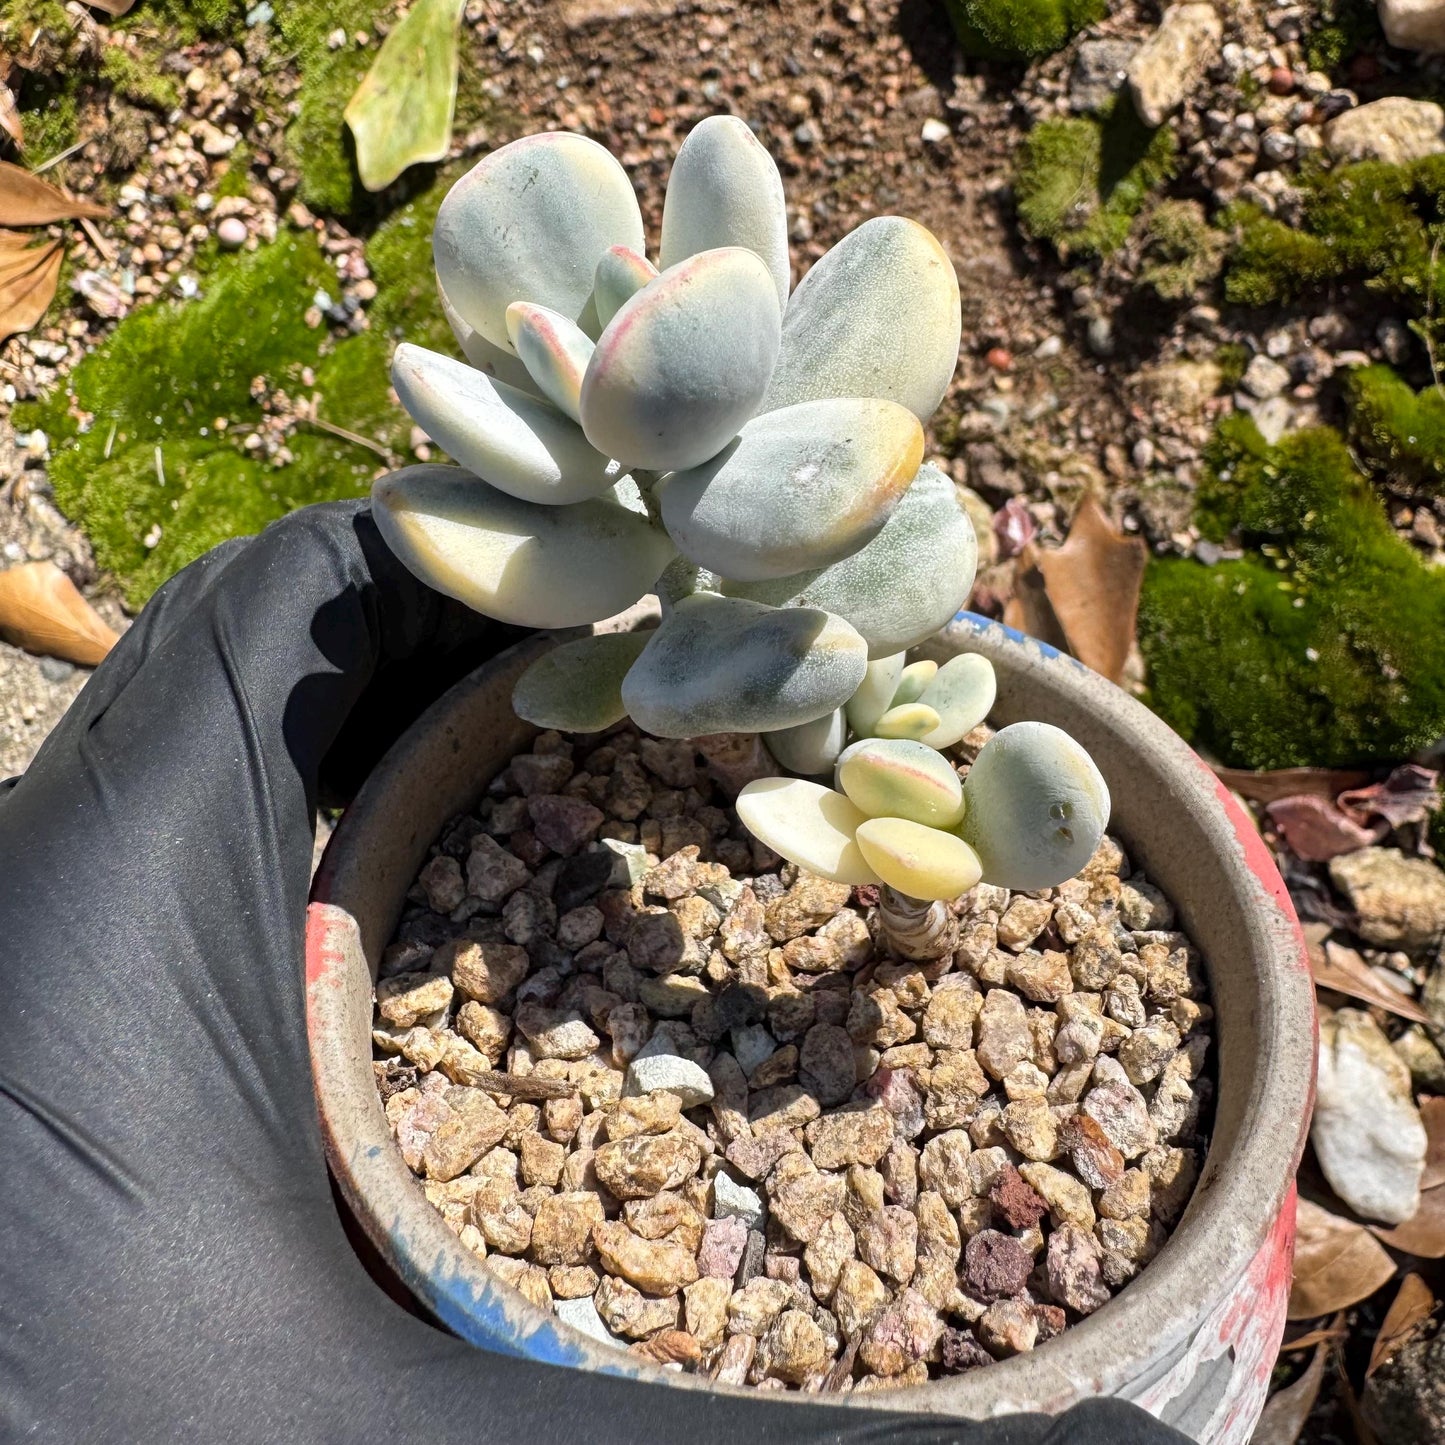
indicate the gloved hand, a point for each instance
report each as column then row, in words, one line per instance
column 174, row 1267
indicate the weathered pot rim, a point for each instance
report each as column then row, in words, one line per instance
column 1246, row 1183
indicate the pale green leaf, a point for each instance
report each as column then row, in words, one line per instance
column 577, row 687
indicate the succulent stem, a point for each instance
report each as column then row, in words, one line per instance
column 914, row 928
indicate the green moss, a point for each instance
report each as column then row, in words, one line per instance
column 236, row 180
column 191, row 20
column 160, row 381
column 399, row 255
column 132, row 76
column 1342, row 28
column 317, row 140
column 1018, row 29
column 1320, row 646
column 1079, row 183
column 52, row 121
column 1397, row 430
column 1371, row 221
column 1181, row 251
column 1232, row 359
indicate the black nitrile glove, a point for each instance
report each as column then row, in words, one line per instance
column 173, row 1266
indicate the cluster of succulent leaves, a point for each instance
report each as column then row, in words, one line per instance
column 1320, row 646
column 1079, row 182
column 1020, row 29
column 750, row 454
column 1029, row 814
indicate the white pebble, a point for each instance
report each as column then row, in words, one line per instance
column 668, row 1071
column 935, row 132
column 731, row 1200
column 582, row 1315
column 232, row 233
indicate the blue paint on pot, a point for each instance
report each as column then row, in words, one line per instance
column 976, row 623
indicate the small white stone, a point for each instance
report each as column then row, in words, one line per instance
column 731, row 1200
column 629, row 862
column 752, row 1045
column 231, row 233
column 1264, row 377
column 935, row 132
column 671, row 1072
column 582, row 1315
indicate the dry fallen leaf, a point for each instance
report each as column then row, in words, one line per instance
column 27, row 200
column 1343, row 970
column 1432, row 1113
column 1337, row 1263
column 1029, row 610
column 1272, row 784
column 1414, row 1304
column 28, row 277
column 42, row 611
column 1423, row 1233
column 402, row 110
column 1315, row 829
column 1093, row 583
column 1409, row 795
column 1288, row 1410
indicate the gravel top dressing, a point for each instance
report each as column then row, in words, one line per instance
column 669, row 1086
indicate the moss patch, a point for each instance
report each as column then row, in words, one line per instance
column 1079, row 183
column 1398, row 430
column 1318, row 647
column 1342, row 28
column 1018, row 29
column 169, row 370
column 1374, row 222
column 1181, row 251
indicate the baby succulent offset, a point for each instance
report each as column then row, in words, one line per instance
column 1028, row 815
column 692, row 428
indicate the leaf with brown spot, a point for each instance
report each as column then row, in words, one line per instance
column 27, row 200
column 1093, row 583
column 1337, row 1263
column 28, row 277
column 42, row 610
column 1288, row 1410
column 1423, row 1233
column 1414, row 1304
column 1343, row 970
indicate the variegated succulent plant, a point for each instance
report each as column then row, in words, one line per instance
column 751, row 455
column 754, row 455
column 1029, row 813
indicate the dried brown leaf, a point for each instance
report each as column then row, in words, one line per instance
column 1315, row 829
column 1432, row 1113
column 27, row 200
column 1337, row 1263
column 1287, row 1411
column 1272, row 784
column 1423, row 1234
column 1409, row 795
column 1311, row 1338
column 1029, row 609
column 42, row 611
column 1093, row 583
column 1343, row 970
column 27, row 286
column 1414, row 1304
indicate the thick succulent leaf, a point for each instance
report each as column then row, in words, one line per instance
column 1036, row 807
column 874, row 695
column 519, row 562
column 917, row 860
column 901, row 587
column 811, row 748
column 722, row 665
column 961, row 693
column 878, row 315
column 577, row 687
column 901, row 778
column 520, row 444
column 621, row 274
column 527, row 223
column 684, row 363
column 807, row 824
column 799, row 487
column 725, row 190
column 907, row 720
column 554, row 350
column 499, row 364
column 914, row 678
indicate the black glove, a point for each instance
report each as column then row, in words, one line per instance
column 174, row 1266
